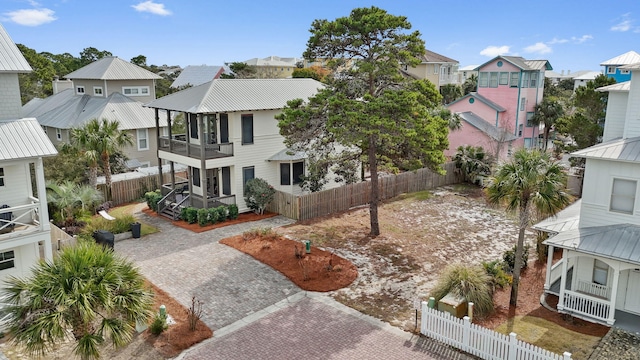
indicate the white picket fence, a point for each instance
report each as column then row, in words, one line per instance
column 480, row 341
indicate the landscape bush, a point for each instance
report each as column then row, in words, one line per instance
column 470, row 282
column 213, row 216
column 222, row 213
column 203, row 217
column 499, row 278
column 159, row 324
column 120, row 225
column 152, row 198
column 509, row 258
column 191, row 215
column 258, row 194
column 233, row 211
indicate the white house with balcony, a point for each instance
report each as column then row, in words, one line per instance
column 598, row 276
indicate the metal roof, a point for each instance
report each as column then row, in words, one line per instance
column 634, row 66
column 468, row 68
column 627, row 150
column 273, row 61
column 433, row 57
column 112, row 68
column 479, row 123
column 588, row 75
column 483, row 99
column 38, row 106
column 288, row 155
column 629, row 57
column 198, row 75
column 618, row 242
column 11, row 58
column 23, row 139
column 229, row 95
column 619, row 87
column 66, row 112
column 566, row 219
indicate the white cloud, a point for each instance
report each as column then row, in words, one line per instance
column 557, row 41
column 31, row 17
column 492, row 51
column 151, row 7
column 624, row 24
column 538, row 48
column 581, row 39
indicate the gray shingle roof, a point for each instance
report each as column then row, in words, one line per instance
column 11, row 58
column 567, row 219
column 619, row 241
column 112, row 68
column 433, row 57
column 491, row 130
column 229, row 95
column 23, row 139
column 198, row 75
column 627, row 150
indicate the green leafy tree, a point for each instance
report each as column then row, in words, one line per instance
column 240, row 70
column 37, row 83
column 91, row 291
column 530, row 183
column 547, row 112
column 258, row 194
column 91, row 54
column 313, row 72
column 470, row 85
column 368, row 108
column 65, row 167
column 140, row 60
column 450, row 92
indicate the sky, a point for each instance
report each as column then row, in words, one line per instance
column 572, row 35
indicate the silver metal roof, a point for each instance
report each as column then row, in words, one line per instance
column 629, row 57
column 565, row 220
column 479, row 123
column 23, row 139
column 112, row 68
column 11, row 58
column 619, row 87
column 618, row 242
column 198, row 75
column 634, row 66
column 627, row 150
column 229, row 95
column 273, row 61
column 488, row 102
column 63, row 111
column 288, row 155
column 589, row 75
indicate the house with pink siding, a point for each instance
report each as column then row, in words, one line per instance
column 509, row 88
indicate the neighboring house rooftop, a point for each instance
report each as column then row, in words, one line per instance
column 23, row 139
column 479, row 123
column 112, row 68
column 618, row 149
column 618, row 87
column 618, row 242
column 433, row 57
column 273, row 61
column 11, row 58
column 566, row 219
column 483, row 99
column 585, row 75
column 630, row 57
column 468, row 68
column 633, row 66
column 522, row 63
column 229, row 95
column 199, row 74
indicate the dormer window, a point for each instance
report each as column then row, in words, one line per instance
column 97, row 90
column 80, row 90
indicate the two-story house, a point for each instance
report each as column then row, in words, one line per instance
column 25, row 233
column 598, row 277
column 509, row 89
column 614, row 67
column 438, row 69
column 274, row 67
column 231, row 137
column 109, row 88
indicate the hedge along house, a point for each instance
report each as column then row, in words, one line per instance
column 231, row 137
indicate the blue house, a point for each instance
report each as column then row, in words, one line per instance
column 612, row 66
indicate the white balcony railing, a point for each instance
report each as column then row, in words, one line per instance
column 586, row 305
column 593, row 289
column 21, row 217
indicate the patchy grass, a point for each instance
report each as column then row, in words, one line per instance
column 550, row 336
column 145, row 229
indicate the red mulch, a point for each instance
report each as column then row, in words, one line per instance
column 244, row 217
column 317, row 271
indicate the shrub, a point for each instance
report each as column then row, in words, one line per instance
column 541, row 249
column 213, row 215
column 152, row 198
column 203, row 217
column 194, row 313
column 159, row 324
column 120, row 225
column 509, row 258
column 191, row 215
column 233, row 211
column 258, row 194
column 222, row 213
column 470, row 282
column 183, row 213
column 499, row 278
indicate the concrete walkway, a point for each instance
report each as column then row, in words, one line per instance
column 257, row 313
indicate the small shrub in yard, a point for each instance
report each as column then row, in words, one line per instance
column 509, row 258
column 499, row 278
column 258, row 194
column 233, row 211
column 120, row 225
column 203, row 217
column 213, row 215
column 159, row 324
column 469, row 282
column 222, row 213
column 152, row 198
column 191, row 215
column 183, row 213
column 194, row 313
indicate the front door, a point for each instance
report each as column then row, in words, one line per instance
column 632, row 299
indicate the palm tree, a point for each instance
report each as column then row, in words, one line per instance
column 547, row 112
column 470, row 85
column 530, row 182
column 89, row 290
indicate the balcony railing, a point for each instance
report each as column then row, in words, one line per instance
column 178, row 145
column 21, row 218
column 448, row 79
column 593, row 289
column 586, row 305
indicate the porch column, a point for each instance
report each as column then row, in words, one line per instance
column 43, row 211
column 614, row 295
column 203, row 160
column 563, row 279
column 160, row 177
column 547, row 282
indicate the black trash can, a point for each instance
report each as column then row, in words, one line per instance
column 135, row 230
column 104, row 238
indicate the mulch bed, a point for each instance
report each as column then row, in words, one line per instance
column 242, row 218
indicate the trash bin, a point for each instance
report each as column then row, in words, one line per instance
column 104, row 238
column 135, row 230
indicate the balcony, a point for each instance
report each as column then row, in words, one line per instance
column 20, row 220
column 178, row 145
column 448, row 79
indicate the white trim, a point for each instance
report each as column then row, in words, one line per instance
column 140, row 138
column 611, row 69
column 80, row 90
column 97, row 91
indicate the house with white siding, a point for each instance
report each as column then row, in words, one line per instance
column 598, row 276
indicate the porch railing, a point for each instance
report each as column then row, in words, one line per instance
column 593, row 289
column 586, row 305
column 178, row 145
column 21, row 215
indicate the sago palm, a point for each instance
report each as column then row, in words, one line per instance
column 530, row 182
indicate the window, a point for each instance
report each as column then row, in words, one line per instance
column 285, row 174
column 600, row 272
column 193, row 126
column 247, row 129
column 527, row 143
column 611, row 69
column 1, row 176
column 520, row 128
column 135, row 90
column 195, row 176
column 523, row 101
column 435, row 69
column 623, row 196
column 58, row 133
column 525, row 79
column 80, row 90
column 515, row 79
column 248, row 173
column 143, row 139
column 529, row 117
column 7, row 260
column 534, row 79
column 286, row 171
column 625, row 72
column 97, row 90
column 298, row 172
column 483, row 79
column 493, row 79
column 504, row 78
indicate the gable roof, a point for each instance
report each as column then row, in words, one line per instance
column 198, row 75
column 112, row 68
column 433, row 57
column 627, row 150
column 11, row 58
column 617, row 87
column 66, row 112
column 483, row 99
column 498, row 134
column 619, row 241
column 229, row 95
column 629, row 57
column 521, row 63
column 588, row 75
column 23, row 139
column 567, row 219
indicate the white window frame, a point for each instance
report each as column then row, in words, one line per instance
column 436, row 69
column 59, row 134
column 97, row 91
column 483, row 79
column 623, row 196
column 514, row 81
column 80, row 90
column 7, row 257
column 523, row 103
column 625, row 72
column 1, row 177
column 135, row 91
column 504, row 78
column 611, row 69
column 600, row 272
column 145, row 137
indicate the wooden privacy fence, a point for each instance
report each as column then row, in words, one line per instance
column 480, row 341
column 125, row 191
column 302, row 207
